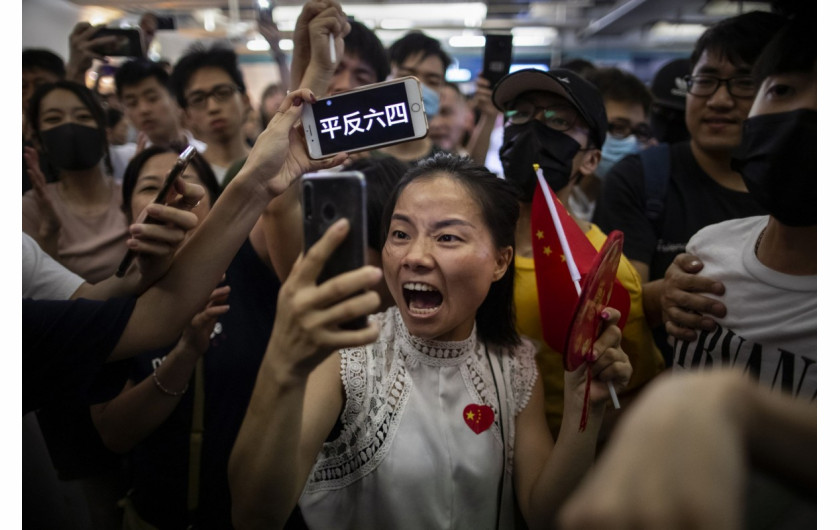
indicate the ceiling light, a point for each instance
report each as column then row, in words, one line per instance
column 456, row 14
column 466, row 41
column 396, row 23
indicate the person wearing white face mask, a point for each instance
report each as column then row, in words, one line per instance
column 627, row 102
column 416, row 54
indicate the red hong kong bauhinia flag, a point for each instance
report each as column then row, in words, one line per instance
column 556, row 289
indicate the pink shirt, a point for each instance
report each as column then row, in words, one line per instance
column 92, row 246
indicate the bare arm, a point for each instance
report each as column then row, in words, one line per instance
column 311, row 62
column 298, row 396
column 480, row 139
column 545, row 473
column 140, row 409
column 283, row 229
column 679, row 458
column 277, row 159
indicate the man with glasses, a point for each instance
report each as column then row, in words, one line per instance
column 209, row 87
column 558, row 120
column 143, row 90
column 627, row 101
column 700, row 188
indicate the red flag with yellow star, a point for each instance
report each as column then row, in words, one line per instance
column 556, row 290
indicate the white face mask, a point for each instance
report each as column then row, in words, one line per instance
column 613, row 150
column 431, row 101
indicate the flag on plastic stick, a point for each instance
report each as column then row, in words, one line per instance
column 557, row 291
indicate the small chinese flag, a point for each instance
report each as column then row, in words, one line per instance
column 556, row 290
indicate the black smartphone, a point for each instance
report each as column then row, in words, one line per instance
column 163, row 197
column 498, row 53
column 369, row 117
column 327, row 197
column 128, row 42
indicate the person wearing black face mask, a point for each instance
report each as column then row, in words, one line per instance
column 557, row 119
column 768, row 264
column 77, row 220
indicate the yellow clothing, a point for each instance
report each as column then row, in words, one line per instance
column 637, row 340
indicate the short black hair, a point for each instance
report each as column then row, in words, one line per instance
column 44, row 60
column 133, row 72
column 112, row 117
column 414, row 42
column 739, row 39
column 132, row 173
column 218, row 56
column 381, row 176
column 496, row 316
column 792, row 50
column 577, row 65
column 364, row 44
column 618, row 85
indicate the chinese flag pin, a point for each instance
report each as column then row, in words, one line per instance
column 479, row 418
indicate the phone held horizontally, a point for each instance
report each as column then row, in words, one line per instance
column 163, row 197
column 366, row 118
column 327, row 197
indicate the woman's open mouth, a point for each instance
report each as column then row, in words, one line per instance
column 421, row 298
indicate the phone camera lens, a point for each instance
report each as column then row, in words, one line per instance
column 328, row 212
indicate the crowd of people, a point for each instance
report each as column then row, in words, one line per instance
column 213, row 386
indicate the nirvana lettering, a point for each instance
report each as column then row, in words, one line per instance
column 790, row 372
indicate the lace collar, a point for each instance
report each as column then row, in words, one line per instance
column 434, row 351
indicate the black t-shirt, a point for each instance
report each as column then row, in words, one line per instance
column 693, row 201
column 65, row 344
column 161, row 461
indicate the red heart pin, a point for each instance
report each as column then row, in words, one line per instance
column 479, row 418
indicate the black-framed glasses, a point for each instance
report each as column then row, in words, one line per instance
column 706, row 85
column 221, row 93
column 621, row 129
column 557, row 117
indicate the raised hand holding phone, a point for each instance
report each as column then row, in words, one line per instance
column 165, row 196
column 326, row 198
column 367, row 118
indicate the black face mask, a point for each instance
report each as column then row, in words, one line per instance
column 778, row 160
column 72, row 146
column 535, row 143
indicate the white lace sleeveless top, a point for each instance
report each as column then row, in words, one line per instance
column 406, row 456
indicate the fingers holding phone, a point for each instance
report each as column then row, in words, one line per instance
column 310, row 314
column 279, row 155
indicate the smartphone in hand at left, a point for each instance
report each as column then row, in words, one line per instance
column 327, row 197
column 163, row 197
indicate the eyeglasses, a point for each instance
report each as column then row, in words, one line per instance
column 706, row 85
column 220, row 93
column 557, row 117
column 621, row 129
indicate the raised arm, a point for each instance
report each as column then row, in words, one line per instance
column 277, row 159
column 298, row 395
column 480, row 139
column 546, row 474
column 141, row 408
column 312, row 65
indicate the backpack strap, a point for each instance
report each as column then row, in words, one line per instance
column 656, row 166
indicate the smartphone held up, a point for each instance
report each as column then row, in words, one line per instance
column 498, row 54
column 367, row 118
column 327, row 197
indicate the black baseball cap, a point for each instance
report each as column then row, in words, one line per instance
column 669, row 86
column 580, row 93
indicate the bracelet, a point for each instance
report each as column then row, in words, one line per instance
column 166, row 390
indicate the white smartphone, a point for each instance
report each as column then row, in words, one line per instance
column 369, row 117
